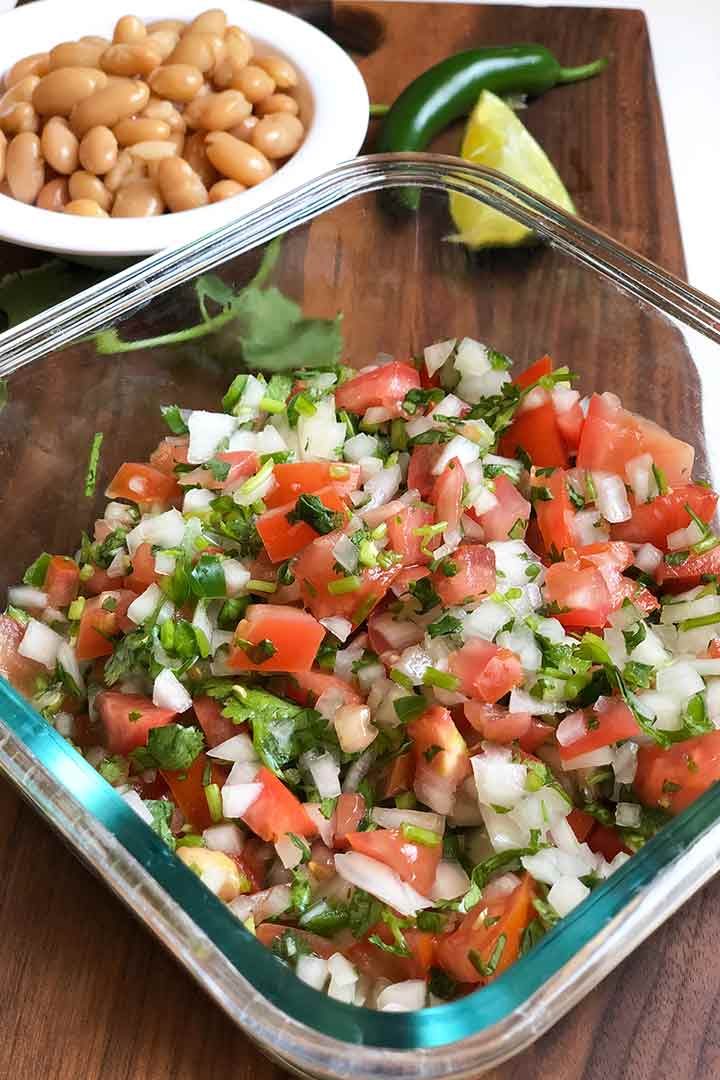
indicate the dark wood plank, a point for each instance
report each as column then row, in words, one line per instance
column 90, row 995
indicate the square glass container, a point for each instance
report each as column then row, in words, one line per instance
column 617, row 320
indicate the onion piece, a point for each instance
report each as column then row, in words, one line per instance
column 41, row 644
column 263, row 905
column 403, row 996
column 346, row 553
column 163, row 530
column 207, row 430
column 325, row 772
column 592, row 760
column 288, row 852
column 450, row 881
column 566, row 894
column 169, row 692
column 238, row 798
column 27, row 597
column 353, row 727
column 390, row 818
column 380, row 881
column 436, row 355
column 611, row 497
column 226, row 837
column 67, row 659
column 312, row 970
column 571, row 728
column 648, row 558
column 325, row 826
column 337, row 626
column 237, row 748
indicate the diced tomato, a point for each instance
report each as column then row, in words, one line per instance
column 276, row 811
column 247, row 870
column 415, row 863
column 261, row 569
column 141, row 483
column 311, row 684
column 579, row 592
column 611, row 558
column 384, row 387
column 243, row 463
column 127, row 719
column 102, row 618
column 486, row 671
column 651, row 522
column 143, row 570
column 255, row 860
column 475, row 576
column 216, row 727
column 536, row 736
column 97, row 583
column 171, row 451
column 555, row 515
column 536, row 432
column 435, row 728
column 581, row 823
column 399, row 775
column 570, row 424
column 295, row 636
column 267, row 932
column 406, row 576
column 512, row 508
column 480, row 931
column 283, row 539
column 376, row 963
column 420, row 470
column 536, row 371
column 62, row 580
column 691, row 571
column 612, row 436
column 295, row 478
column 447, row 494
column 672, row 779
column 315, row 570
column 19, row 671
column 187, row 789
column 713, row 649
column 496, row 723
column 605, row 841
column 610, row 725
column 403, row 538
column 349, row 812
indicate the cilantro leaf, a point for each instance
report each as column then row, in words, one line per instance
column 162, row 811
column 311, row 510
column 172, row 747
column 282, row 731
column 28, row 292
column 363, row 912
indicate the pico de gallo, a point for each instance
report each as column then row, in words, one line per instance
column 402, row 662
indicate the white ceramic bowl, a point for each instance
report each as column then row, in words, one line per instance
column 333, row 105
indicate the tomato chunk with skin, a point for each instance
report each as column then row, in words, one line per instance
column 295, row 636
column 350, row 809
column 415, row 863
column 282, row 538
column 496, row 723
column 511, row 515
column 276, row 811
column 480, row 932
column 127, row 719
column 611, row 559
column 216, row 727
column 447, row 495
column 403, row 538
column 607, row 726
column 555, row 515
column 188, row 791
column 170, row 452
column 384, row 387
column 296, row 478
column 580, row 593
column 652, row 522
column 474, row 576
column 143, row 571
column 689, row 573
column 536, row 736
column 312, row 684
column 399, row 775
column 438, row 743
column 536, row 371
column 62, row 581
column 486, row 671
column 612, row 436
column 536, row 432
column 102, row 618
column 420, row 470
column 267, row 933
column 141, row 483
column 315, row 570
column 570, row 424
column 378, row 964
column 672, row 779
column 20, row 671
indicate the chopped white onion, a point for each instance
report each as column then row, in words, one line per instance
column 237, row 748
column 346, row 553
column 521, row 701
column 433, row 790
column 25, row 596
column 499, row 781
column 628, row 815
column 312, row 970
column 353, row 727
column 67, row 658
column 164, row 530
column 238, row 798
column 325, row 772
column 41, row 644
column 486, row 620
column 611, row 497
column 640, row 477
column 197, row 500
column 571, row 728
column 288, row 852
column 403, row 996
column 339, row 627
column 207, row 431
column 360, row 446
column 169, row 693
column 450, row 881
column 236, row 576
column 592, row 760
column 399, row 633
column 588, row 528
column 684, row 538
column 436, row 355
column 625, row 763
column 227, row 838
column 500, row 887
column 563, row 397
column 145, row 605
column 321, row 435
column 679, row 681
column 119, row 515
column 459, row 447
column 648, row 558
column 690, row 609
column 325, row 826
column 566, row 894
column 263, row 905
column 164, row 564
column 243, row 772
column 390, row 818
column 380, row 881
column 382, row 488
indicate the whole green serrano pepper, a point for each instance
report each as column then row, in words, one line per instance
column 450, row 89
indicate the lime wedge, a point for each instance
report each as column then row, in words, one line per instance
column 496, row 138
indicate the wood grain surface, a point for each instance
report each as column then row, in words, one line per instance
column 87, row 994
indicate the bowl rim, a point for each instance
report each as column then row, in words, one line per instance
column 339, row 122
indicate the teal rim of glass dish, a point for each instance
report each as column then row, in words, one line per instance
column 432, row 1027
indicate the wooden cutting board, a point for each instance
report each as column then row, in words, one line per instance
column 87, row 995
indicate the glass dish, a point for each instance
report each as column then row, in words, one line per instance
column 616, row 319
